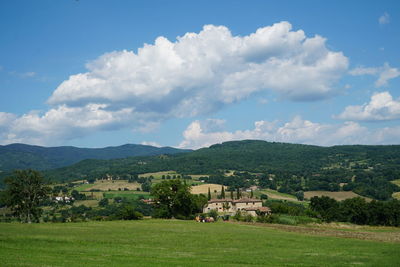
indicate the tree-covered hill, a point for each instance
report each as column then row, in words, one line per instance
column 366, row 170
column 21, row 156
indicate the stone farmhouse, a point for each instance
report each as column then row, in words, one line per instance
column 231, row 206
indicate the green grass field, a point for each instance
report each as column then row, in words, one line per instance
column 182, row 243
column 126, row 194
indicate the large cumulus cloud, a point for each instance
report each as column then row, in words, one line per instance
column 199, row 72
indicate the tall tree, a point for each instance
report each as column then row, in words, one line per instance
column 251, row 193
column 237, row 193
column 209, row 194
column 25, row 191
column 231, row 193
column 222, row 192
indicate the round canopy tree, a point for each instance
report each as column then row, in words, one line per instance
column 25, row 190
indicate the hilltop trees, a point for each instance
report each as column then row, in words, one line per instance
column 25, row 191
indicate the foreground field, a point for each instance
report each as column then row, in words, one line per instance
column 184, row 243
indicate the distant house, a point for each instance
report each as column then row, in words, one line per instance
column 63, row 199
column 229, row 206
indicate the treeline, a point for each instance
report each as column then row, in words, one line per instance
column 366, row 170
column 357, row 210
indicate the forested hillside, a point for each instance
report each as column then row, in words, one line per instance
column 365, row 170
column 21, row 156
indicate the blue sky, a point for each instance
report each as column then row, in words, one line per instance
column 185, row 74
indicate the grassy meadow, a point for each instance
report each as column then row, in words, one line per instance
column 183, row 243
column 339, row 196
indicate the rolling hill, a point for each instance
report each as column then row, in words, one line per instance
column 21, row 156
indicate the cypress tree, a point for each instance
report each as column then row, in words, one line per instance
column 237, row 193
column 232, row 194
column 209, row 194
column 251, row 193
column 223, row 192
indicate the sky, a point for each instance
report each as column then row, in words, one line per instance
column 189, row 74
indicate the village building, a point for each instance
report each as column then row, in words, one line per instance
column 231, row 206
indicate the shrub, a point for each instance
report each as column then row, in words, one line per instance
column 214, row 214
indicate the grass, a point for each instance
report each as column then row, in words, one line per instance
column 126, row 194
column 339, row 196
column 183, row 243
column 273, row 194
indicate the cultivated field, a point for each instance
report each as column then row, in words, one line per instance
column 396, row 195
column 105, row 185
column 185, row 243
column 203, row 189
column 342, row 195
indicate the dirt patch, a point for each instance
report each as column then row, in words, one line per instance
column 382, row 234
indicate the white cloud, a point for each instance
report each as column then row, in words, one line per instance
column 295, row 131
column 384, row 19
column 150, row 143
column 61, row 123
column 199, row 72
column 384, row 73
column 196, row 74
column 381, row 107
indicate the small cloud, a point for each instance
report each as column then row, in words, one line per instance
column 150, row 143
column 382, row 107
column 384, row 19
column 263, row 101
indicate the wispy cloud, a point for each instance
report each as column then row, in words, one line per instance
column 384, row 73
column 384, row 19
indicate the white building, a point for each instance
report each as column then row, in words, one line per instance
column 229, row 206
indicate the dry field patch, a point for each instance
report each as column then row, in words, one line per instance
column 203, row 189
column 105, row 185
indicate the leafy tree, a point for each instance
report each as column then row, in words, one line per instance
column 173, row 199
column 251, row 193
column 146, row 186
column 300, row 195
column 103, row 202
column 24, row 193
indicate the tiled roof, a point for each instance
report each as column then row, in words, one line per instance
column 262, row 209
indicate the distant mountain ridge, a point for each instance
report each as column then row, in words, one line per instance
column 22, row 156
